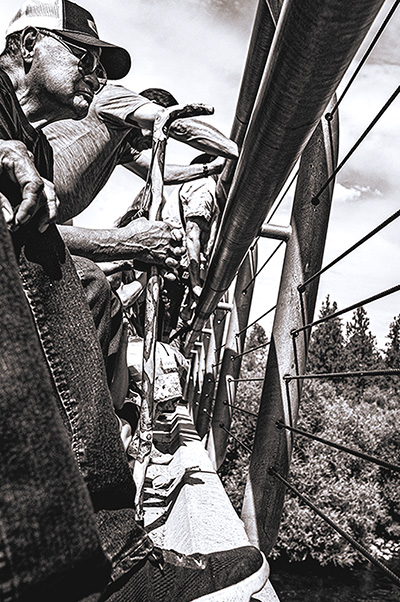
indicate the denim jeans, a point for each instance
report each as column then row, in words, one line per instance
column 105, row 308
column 66, row 492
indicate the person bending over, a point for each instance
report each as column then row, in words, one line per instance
column 50, row 69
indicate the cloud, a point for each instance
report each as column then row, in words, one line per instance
column 343, row 194
column 375, row 162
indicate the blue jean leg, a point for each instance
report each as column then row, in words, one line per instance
column 105, row 308
column 73, row 355
column 49, row 542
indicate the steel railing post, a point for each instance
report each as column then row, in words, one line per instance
column 264, row 495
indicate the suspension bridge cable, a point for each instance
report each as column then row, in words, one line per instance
column 262, row 267
column 315, row 200
column 235, row 357
column 336, row 527
column 255, row 321
column 245, row 380
column 329, row 116
column 223, row 427
column 219, row 348
column 238, row 355
column 234, row 407
column 365, row 238
column 279, row 203
column 271, row 12
column 389, row 291
column 281, row 425
column 359, row 373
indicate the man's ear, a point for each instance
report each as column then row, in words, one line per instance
column 29, row 37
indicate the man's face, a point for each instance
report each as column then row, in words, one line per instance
column 57, row 78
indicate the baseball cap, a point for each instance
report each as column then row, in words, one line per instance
column 74, row 23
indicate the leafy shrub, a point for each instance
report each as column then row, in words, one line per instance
column 357, row 495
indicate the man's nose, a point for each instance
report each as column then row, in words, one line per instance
column 92, row 80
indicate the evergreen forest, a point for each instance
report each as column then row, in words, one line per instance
column 361, row 412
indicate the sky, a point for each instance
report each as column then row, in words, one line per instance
column 197, row 50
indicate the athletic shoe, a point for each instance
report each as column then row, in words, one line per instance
column 167, row 576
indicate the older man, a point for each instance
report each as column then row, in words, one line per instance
column 117, row 131
column 50, row 70
column 85, row 155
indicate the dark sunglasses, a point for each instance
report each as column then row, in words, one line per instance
column 89, row 62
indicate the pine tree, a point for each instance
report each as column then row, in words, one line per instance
column 392, row 352
column 254, row 339
column 256, row 336
column 361, row 350
column 327, row 343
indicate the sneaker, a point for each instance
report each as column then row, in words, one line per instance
column 167, row 576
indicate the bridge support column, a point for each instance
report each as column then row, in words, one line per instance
column 264, row 494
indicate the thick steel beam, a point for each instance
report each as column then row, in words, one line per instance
column 264, row 495
column 314, row 44
column 260, row 43
column 191, row 395
column 232, row 360
column 207, row 391
column 201, row 375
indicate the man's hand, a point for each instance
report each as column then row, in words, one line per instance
column 216, row 166
column 144, row 241
column 155, row 243
column 198, row 134
column 38, row 194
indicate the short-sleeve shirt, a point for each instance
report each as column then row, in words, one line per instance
column 15, row 126
column 198, row 199
column 195, row 199
column 86, row 152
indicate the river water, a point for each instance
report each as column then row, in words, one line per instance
column 303, row 582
